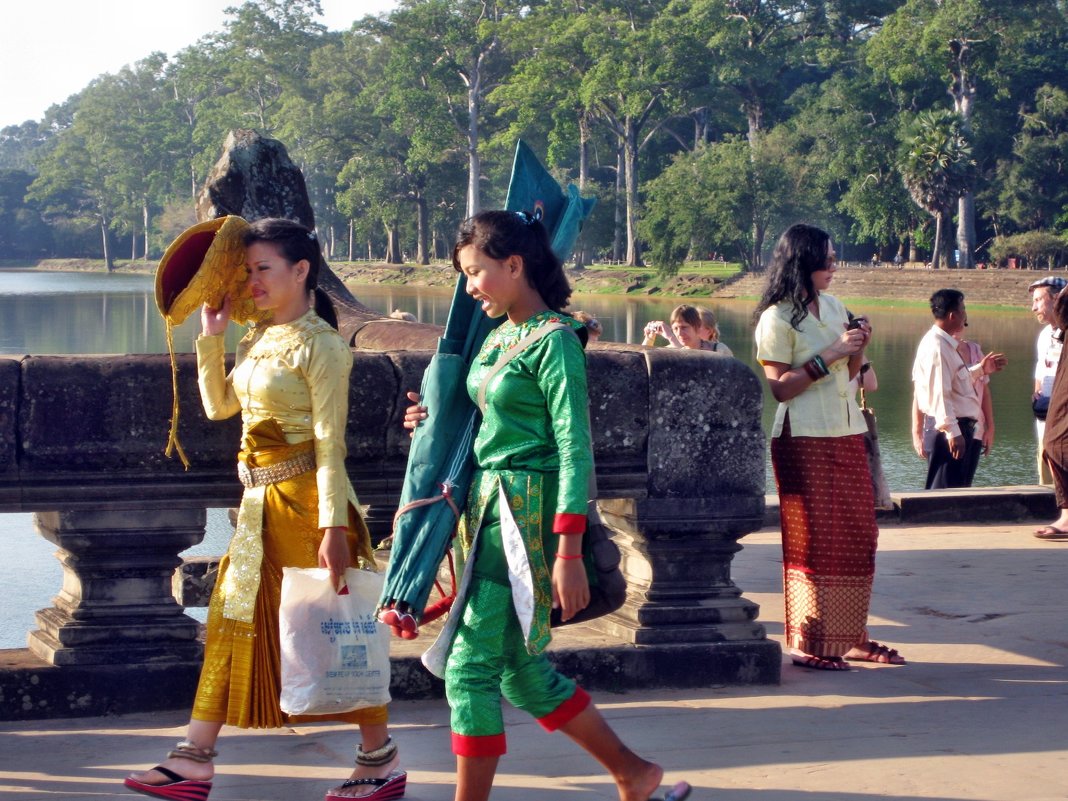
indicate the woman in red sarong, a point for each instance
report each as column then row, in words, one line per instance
column 810, row 352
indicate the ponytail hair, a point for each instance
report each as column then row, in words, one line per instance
column 296, row 242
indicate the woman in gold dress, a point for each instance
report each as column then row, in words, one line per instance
column 290, row 385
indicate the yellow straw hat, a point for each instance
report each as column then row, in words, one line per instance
column 202, row 265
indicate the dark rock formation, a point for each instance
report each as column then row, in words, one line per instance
column 255, row 178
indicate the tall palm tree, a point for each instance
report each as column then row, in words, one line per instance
column 936, row 164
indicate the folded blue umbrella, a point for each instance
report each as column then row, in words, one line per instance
column 441, row 461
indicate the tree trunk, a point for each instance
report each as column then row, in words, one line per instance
column 393, row 252
column 756, row 258
column 630, row 145
column 146, row 216
column 936, row 248
column 421, row 225
column 474, row 163
column 963, row 92
column 617, row 231
column 352, row 237
column 966, row 230
column 581, row 257
column 108, row 260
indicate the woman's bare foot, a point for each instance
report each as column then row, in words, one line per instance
column 367, row 772
column 642, row 784
column 186, row 768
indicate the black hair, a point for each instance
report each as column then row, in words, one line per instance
column 800, row 251
column 945, row 301
column 500, row 234
column 295, row 242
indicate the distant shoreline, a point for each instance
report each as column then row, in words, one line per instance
column 881, row 286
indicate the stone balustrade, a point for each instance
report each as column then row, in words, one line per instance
column 680, row 470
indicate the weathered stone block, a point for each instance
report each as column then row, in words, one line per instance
column 9, row 393
column 705, row 437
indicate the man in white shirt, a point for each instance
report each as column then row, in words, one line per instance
column 1048, row 352
column 945, row 389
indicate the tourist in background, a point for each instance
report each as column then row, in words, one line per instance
column 810, row 353
column 689, row 329
column 709, row 332
column 291, row 387
column 1047, row 356
column 1055, row 436
column 949, row 390
column 593, row 325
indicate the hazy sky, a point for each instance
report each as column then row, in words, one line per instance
column 50, row 49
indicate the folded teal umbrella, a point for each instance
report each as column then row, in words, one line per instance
column 440, row 463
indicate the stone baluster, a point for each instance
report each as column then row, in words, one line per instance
column 116, row 605
column 705, row 490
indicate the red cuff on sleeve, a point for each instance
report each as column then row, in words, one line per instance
column 569, row 523
column 567, row 711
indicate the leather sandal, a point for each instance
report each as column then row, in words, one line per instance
column 820, row 662
column 879, row 654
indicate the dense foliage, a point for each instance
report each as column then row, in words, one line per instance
column 704, row 126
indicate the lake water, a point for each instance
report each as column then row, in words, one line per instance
column 50, row 313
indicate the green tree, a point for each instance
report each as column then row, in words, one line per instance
column 936, row 166
column 72, row 183
column 722, row 196
column 23, row 232
column 453, row 49
column 1034, row 180
column 979, row 51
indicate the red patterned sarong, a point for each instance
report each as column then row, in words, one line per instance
column 829, row 537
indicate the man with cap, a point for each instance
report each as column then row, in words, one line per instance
column 1048, row 351
column 1053, row 310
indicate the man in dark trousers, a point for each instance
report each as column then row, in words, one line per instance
column 946, row 390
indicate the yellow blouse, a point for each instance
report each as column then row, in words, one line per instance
column 828, row 408
column 297, row 374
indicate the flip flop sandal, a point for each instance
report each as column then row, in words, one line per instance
column 391, row 787
column 178, row 788
column 820, row 662
column 1051, row 533
column 879, row 654
column 679, row 792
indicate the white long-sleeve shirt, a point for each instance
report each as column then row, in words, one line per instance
column 944, row 385
column 1048, row 352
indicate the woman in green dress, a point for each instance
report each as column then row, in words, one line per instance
column 525, row 517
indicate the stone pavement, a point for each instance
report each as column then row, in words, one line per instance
column 981, row 711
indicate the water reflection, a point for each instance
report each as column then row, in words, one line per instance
column 98, row 313
column 52, row 313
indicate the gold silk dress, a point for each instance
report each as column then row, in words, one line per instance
column 291, row 386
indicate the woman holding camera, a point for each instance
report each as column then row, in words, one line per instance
column 810, row 352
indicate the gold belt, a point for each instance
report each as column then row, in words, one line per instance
column 272, row 474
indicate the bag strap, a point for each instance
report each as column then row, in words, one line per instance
column 538, row 333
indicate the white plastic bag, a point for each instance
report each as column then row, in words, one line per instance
column 335, row 654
